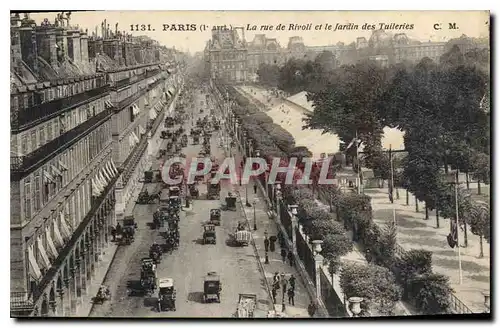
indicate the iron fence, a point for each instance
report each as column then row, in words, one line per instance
column 331, row 299
column 306, row 255
column 286, row 219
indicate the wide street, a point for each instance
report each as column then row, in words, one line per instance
column 237, row 266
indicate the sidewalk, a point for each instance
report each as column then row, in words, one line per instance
column 264, row 223
column 414, row 232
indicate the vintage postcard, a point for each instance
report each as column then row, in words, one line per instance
column 260, row 164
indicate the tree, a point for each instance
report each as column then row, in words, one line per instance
column 300, row 152
column 432, row 294
column 336, row 245
column 373, row 283
column 322, row 228
column 326, row 60
column 479, row 219
column 334, row 265
column 387, row 244
column 268, row 75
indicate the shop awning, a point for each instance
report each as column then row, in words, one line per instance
column 57, row 235
column 47, row 177
column 105, row 174
column 50, row 244
column 131, row 141
column 55, row 170
column 152, row 113
column 135, row 109
column 33, row 265
column 113, row 167
column 64, row 226
column 108, row 169
column 63, row 166
column 101, row 184
column 141, row 130
column 108, row 104
column 135, row 137
column 95, row 189
column 43, row 253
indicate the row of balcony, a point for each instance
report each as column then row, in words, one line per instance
column 24, row 118
column 21, row 166
column 129, row 100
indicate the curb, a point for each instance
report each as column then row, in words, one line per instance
column 261, row 267
column 306, row 280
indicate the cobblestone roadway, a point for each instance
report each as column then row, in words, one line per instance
column 187, row 266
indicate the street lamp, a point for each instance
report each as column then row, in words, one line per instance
column 318, row 262
column 265, row 238
column 356, row 305
column 254, row 215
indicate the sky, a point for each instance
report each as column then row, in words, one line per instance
column 472, row 23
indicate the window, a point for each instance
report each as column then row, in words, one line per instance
column 49, row 131
column 34, row 143
column 56, row 128
column 37, row 194
column 27, row 199
column 24, row 144
column 42, row 135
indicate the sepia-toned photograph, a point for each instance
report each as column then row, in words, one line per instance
column 250, row 164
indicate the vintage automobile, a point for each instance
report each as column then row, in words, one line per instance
column 231, row 202
column 174, row 191
column 193, row 190
column 166, row 294
column 215, row 215
column 148, row 275
column 155, row 252
column 212, row 287
column 209, row 236
column 242, row 237
column 246, row 305
column 103, row 294
column 150, row 176
column 213, row 190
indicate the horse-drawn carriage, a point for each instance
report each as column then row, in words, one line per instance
column 166, row 294
column 215, row 215
column 128, row 230
column 146, row 198
column 103, row 294
column 148, row 276
column 212, row 287
column 242, row 236
column 209, row 236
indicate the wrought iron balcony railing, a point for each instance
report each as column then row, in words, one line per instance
column 25, row 164
column 21, row 301
column 24, row 118
column 129, row 100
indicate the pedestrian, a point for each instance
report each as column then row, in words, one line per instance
column 266, row 244
column 276, row 279
column 113, row 233
column 284, row 283
column 290, row 258
column 292, row 282
column 311, row 309
column 283, row 254
column 291, row 296
column 272, row 241
column 254, row 188
column 273, row 291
